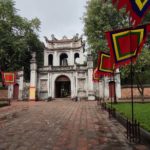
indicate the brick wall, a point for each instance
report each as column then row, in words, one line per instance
column 126, row 92
column 3, row 93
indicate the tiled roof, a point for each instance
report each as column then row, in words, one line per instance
column 63, row 40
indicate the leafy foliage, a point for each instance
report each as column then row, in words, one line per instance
column 18, row 39
column 100, row 17
column 141, row 72
column 141, row 69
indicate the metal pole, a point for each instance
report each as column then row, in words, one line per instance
column 131, row 72
column 110, row 93
column 115, row 100
column 98, row 94
column 132, row 102
column 104, row 90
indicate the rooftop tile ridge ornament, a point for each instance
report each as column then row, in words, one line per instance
column 137, row 9
column 64, row 39
column 53, row 37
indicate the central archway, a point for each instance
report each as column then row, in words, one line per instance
column 62, row 87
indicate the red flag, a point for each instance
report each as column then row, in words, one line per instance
column 126, row 44
column 8, row 78
column 136, row 8
column 105, row 67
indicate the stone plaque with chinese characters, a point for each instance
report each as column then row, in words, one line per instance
column 43, row 84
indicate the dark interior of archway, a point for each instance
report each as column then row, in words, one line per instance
column 63, row 89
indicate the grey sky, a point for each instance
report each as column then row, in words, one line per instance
column 58, row 17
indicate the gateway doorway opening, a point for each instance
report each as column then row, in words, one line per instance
column 62, row 87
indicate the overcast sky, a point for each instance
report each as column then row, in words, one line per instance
column 58, row 17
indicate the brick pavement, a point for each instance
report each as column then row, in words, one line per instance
column 60, row 125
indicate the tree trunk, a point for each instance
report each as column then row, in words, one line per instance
column 142, row 94
column 140, row 88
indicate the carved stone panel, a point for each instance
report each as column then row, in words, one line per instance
column 81, row 74
column 81, row 83
column 43, row 85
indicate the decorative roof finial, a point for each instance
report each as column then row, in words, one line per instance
column 53, row 37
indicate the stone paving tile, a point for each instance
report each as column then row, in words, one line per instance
column 61, row 125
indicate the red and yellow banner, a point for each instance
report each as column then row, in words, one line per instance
column 105, row 66
column 8, row 78
column 136, row 8
column 126, row 44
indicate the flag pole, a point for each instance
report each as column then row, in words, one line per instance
column 104, row 90
column 115, row 100
column 111, row 94
column 131, row 76
column 99, row 93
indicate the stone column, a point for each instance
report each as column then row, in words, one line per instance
column 55, row 59
column 53, row 86
column 101, row 89
column 45, row 58
column 21, row 79
column 118, row 84
column 50, row 84
column 33, row 77
column 72, row 86
column 91, row 94
column 106, row 87
column 10, row 91
column 71, row 58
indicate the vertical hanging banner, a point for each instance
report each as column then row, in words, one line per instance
column 96, row 76
column 126, row 44
column 105, row 65
column 136, row 8
column 9, row 78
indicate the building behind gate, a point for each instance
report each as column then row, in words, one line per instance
column 67, row 72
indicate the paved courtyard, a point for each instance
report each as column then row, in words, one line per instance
column 60, row 125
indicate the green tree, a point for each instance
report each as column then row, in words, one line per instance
column 18, row 39
column 141, row 72
column 101, row 16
